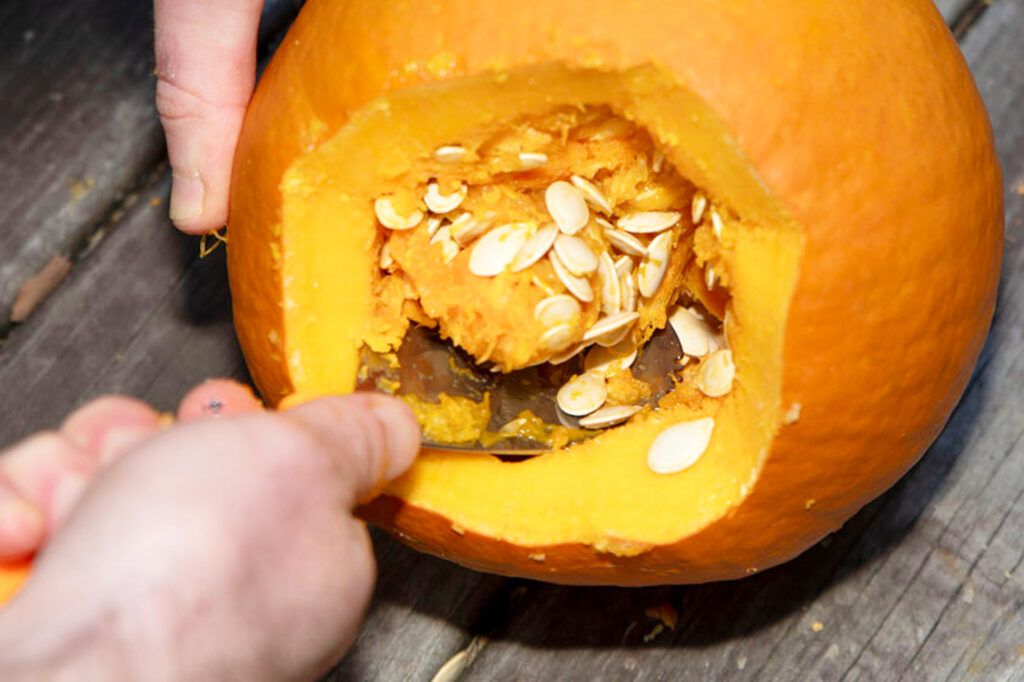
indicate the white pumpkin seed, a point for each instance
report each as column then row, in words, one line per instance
column 535, row 248
column 696, row 337
column 496, row 250
column 567, row 207
column 653, row 268
column 389, row 217
column 556, row 310
column 531, row 160
column 680, row 446
column 626, row 243
column 648, row 222
column 386, row 261
column 611, row 290
column 575, row 254
column 710, row 278
column 450, row 153
column 556, row 338
column 716, row 224
column 716, row 374
column 443, row 203
column 432, row 225
column 582, row 394
column 608, row 360
column 468, row 227
column 591, row 194
column 697, row 206
column 577, row 286
column 657, row 160
column 610, row 324
column 603, row 222
column 567, row 355
column 609, row 416
column 629, row 293
column 623, row 265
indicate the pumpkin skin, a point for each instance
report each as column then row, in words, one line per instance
column 853, row 127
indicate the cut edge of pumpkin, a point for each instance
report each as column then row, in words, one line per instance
column 623, row 508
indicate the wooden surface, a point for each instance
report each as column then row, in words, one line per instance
column 925, row 583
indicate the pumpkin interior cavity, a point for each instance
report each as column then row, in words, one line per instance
column 397, row 146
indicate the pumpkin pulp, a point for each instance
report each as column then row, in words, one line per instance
column 330, row 312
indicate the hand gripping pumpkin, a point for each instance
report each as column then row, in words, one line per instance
column 807, row 191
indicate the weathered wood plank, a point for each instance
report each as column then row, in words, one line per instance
column 78, row 126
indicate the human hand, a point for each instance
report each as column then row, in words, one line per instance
column 206, row 69
column 214, row 548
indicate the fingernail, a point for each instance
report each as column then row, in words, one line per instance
column 187, row 195
column 401, row 430
column 21, row 528
column 65, row 496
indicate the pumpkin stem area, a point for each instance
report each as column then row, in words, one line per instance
column 563, row 240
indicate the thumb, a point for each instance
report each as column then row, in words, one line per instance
column 370, row 438
column 206, row 68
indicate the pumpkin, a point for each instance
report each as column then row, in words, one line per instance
column 844, row 143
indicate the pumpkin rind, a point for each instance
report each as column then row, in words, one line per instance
column 861, row 119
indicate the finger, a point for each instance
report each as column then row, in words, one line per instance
column 206, row 68
column 217, row 398
column 49, row 473
column 373, row 438
column 110, row 426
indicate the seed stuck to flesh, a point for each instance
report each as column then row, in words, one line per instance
column 387, row 216
column 386, row 261
column 567, row 207
column 653, row 268
column 443, row 203
column 629, row 293
column 657, row 160
column 582, row 395
column 577, row 286
column 716, row 224
column 433, row 224
column 608, row 416
column 496, row 250
column 556, row 310
column 626, row 243
column 535, row 248
column 710, row 278
column 716, row 374
column 468, row 227
column 531, row 160
column 575, row 255
column 449, row 248
column 556, row 338
column 567, row 355
column 648, row 222
column 680, row 446
column 695, row 336
column 700, row 202
column 623, row 266
column 591, row 194
column 608, row 360
column 611, row 290
column 610, row 324
column 451, row 153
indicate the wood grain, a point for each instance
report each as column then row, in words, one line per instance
column 78, row 126
column 926, row 582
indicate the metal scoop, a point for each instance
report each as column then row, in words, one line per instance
column 429, row 366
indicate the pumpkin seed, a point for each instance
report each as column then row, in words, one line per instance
column 611, row 291
column 451, row 153
column 623, row 265
column 567, row 207
column 610, row 324
column 653, row 268
column 608, row 416
column 648, row 222
column 608, row 360
column 716, row 224
column 386, row 261
column 577, row 286
column 556, row 310
column 710, row 278
column 680, row 446
column 697, row 206
column 591, row 193
column 629, row 293
column 696, row 337
column 657, row 160
column 443, row 203
column 387, row 216
column 432, row 226
column 535, row 248
column 626, row 243
column 567, row 355
column 496, row 250
column 556, row 338
column 531, row 160
column 468, row 227
column 575, row 255
column 582, row 394
column 716, row 374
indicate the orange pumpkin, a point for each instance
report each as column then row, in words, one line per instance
column 847, row 138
